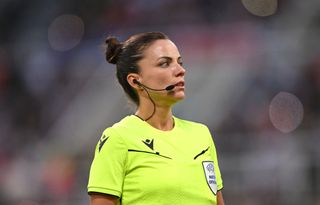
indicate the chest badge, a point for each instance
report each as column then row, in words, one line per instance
column 208, row 168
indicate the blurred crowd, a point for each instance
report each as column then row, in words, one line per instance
column 57, row 94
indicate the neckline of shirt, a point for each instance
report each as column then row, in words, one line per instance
column 143, row 122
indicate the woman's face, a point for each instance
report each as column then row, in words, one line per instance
column 160, row 67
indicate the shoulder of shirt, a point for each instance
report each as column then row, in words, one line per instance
column 188, row 123
column 116, row 127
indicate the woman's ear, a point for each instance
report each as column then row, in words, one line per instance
column 133, row 80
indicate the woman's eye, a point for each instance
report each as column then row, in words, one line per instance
column 164, row 64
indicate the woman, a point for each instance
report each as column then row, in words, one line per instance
column 153, row 157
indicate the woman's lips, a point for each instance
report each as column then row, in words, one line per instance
column 180, row 84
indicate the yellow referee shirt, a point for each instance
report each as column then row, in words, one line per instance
column 146, row 166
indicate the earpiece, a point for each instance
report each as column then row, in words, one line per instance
column 135, row 81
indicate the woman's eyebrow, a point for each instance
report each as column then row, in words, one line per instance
column 168, row 58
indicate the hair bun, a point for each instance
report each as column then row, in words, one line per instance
column 113, row 49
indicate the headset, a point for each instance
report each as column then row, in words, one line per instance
column 146, row 88
column 168, row 88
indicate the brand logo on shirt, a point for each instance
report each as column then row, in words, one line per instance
column 102, row 141
column 208, row 167
column 149, row 143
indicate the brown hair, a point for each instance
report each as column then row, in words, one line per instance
column 125, row 55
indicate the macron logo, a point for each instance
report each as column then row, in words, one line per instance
column 102, row 141
column 149, row 143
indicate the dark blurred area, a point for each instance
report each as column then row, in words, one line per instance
column 252, row 77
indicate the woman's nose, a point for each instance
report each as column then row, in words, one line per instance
column 180, row 70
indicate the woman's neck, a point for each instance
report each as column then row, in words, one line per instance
column 162, row 118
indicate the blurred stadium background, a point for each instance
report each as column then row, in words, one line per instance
column 253, row 76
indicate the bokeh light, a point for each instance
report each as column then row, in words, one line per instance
column 286, row 112
column 65, row 32
column 261, row 7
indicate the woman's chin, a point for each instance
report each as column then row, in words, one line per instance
column 179, row 96
column 175, row 97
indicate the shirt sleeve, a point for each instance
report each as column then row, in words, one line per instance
column 216, row 163
column 108, row 167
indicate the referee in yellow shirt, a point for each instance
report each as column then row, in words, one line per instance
column 153, row 157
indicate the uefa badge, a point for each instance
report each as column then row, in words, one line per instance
column 208, row 167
